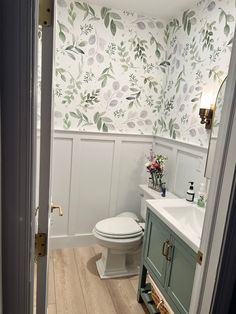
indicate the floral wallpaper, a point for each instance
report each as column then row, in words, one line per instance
column 198, row 49
column 110, row 67
column 117, row 71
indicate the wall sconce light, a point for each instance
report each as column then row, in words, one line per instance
column 206, row 116
column 206, row 110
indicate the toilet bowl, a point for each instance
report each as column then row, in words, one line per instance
column 121, row 237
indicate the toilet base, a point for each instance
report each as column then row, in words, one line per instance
column 115, row 264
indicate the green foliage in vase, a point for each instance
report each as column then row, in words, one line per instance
column 111, row 19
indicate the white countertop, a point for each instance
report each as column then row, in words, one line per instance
column 184, row 218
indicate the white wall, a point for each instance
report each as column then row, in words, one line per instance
column 96, row 175
column 186, row 162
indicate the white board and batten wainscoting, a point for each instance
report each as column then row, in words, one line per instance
column 96, row 176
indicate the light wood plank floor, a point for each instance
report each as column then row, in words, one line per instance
column 75, row 287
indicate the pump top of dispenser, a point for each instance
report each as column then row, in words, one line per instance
column 191, row 185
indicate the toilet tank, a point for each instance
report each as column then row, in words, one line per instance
column 147, row 193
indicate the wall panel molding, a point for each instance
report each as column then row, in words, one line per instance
column 117, row 164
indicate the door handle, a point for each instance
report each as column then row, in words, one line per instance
column 169, row 246
column 54, row 206
column 164, row 251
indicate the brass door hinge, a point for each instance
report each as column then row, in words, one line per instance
column 40, row 244
column 45, row 12
column 199, row 257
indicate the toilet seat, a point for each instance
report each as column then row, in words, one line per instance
column 118, row 228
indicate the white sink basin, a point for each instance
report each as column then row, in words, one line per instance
column 184, row 218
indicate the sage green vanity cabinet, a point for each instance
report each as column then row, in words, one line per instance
column 170, row 262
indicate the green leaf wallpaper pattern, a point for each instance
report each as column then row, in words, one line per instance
column 198, row 49
column 118, row 71
column 110, row 66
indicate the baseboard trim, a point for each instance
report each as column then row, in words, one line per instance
column 77, row 240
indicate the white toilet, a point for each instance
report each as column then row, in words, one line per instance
column 122, row 236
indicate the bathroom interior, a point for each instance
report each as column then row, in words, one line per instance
column 129, row 81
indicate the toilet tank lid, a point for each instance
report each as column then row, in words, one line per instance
column 118, row 226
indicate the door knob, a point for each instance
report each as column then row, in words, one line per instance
column 54, row 206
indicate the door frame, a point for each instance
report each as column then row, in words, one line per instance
column 19, row 20
column 215, row 226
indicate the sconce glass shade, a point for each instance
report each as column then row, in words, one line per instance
column 207, row 100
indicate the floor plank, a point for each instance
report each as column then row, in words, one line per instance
column 134, row 282
column 96, row 294
column 52, row 309
column 78, row 288
column 124, row 296
column 68, row 291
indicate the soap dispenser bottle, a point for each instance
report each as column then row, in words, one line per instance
column 201, row 201
column 190, row 193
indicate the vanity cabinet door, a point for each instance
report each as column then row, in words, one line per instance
column 180, row 274
column 157, row 236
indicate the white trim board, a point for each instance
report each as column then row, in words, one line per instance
column 65, row 241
